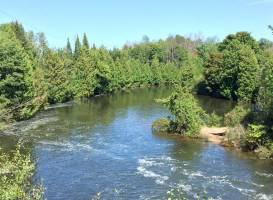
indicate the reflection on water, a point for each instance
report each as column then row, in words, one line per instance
column 105, row 145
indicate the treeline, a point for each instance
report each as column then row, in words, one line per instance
column 33, row 75
column 239, row 68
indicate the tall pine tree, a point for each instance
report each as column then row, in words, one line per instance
column 68, row 48
column 77, row 47
column 85, row 41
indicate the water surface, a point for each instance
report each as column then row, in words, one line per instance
column 105, row 145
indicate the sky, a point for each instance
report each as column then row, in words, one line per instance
column 113, row 23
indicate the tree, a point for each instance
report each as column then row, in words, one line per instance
column 15, row 72
column 212, row 74
column 270, row 27
column 56, row 78
column 83, row 83
column 205, row 50
column 85, row 42
column 233, row 73
column 244, row 38
column 265, row 96
column 188, row 115
column 77, row 47
column 68, row 48
column 239, row 72
column 21, row 36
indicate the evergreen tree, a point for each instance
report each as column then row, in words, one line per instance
column 68, row 48
column 15, row 72
column 56, row 77
column 85, row 42
column 77, row 47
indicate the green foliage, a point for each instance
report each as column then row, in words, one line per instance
column 236, row 116
column 85, row 42
column 244, row 38
column 77, row 47
column 265, row 96
column 214, row 120
column 55, row 77
column 188, row 115
column 234, row 72
column 83, row 75
column 15, row 74
column 255, row 136
column 205, row 50
column 161, row 126
column 176, row 194
column 213, row 70
column 16, row 171
column 69, row 48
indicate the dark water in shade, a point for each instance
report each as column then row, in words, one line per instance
column 105, row 145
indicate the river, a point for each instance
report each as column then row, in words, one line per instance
column 105, row 146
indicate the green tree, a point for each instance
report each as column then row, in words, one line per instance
column 68, row 48
column 240, row 72
column 265, row 96
column 244, row 38
column 188, row 115
column 77, row 48
column 83, row 83
column 233, row 73
column 15, row 72
column 56, row 78
column 85, row 42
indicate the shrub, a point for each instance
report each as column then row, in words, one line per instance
column 188, row 115
column 16, row 171
column 214, row 120
column 255, row 136
column 236, row 116
column 161, row 126
column 236, row 136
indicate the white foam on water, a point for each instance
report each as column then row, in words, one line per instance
column 186, row 188
column 66, row 146
column 263, row 197
column 197, row 174
column 257, row 185
column 35, row 124
column 151, row 162
column 159, row 179
column 264, row 174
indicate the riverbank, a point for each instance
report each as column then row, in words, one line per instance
column 213, row 134
column 232, row 137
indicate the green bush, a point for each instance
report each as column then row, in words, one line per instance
column 187, row 113
column 236, row 116
column 214, row 120
column 16, row 171
column 255, row 136
column 161, row 126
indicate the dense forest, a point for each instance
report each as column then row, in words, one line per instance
column 33, row 75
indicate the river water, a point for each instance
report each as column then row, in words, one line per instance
column 105, row 147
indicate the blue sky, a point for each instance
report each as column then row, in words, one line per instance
column 114, row 22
